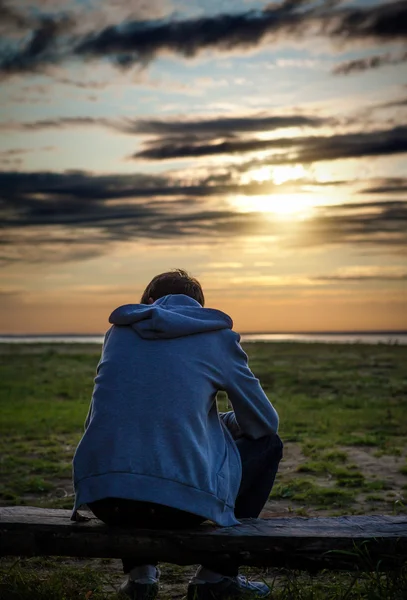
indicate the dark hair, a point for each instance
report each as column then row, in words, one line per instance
column 173, row 282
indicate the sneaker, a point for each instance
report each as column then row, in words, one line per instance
column 138, row 591
column 229, row 588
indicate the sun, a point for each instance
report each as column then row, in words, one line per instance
column 277, row 175
column 297, row 205
column 285, row 206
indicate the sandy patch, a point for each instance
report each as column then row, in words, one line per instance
column 384, row 468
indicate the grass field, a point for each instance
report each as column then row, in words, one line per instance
column 342, row 417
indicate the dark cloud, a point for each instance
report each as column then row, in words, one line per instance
column 83, row 187
column 220, row 125
column 58, row 123
column 305, row 149
column 13, row 18
column 180, row 129
column 380, row 275
column 43, row 48
column 377, row 224
column 142, row 41
column 74, row 213
column 398, row 102
column 383, row 22
column 164, row 150
column 138, row 42
column 371, row 62
column 37, row 205
column 389, row 185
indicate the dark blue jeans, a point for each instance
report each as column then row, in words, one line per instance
column 260, row 459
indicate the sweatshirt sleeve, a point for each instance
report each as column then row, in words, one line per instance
column 229, row 420
column 89, row 415
column 254, row 414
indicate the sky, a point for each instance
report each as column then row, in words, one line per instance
column 261, row 146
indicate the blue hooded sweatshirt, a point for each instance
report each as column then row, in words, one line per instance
column 153, row 432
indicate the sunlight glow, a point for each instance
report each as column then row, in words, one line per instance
column 289, row 205
column 285, row 173
column 278, row 175
column 260, row 175
column 285, row 206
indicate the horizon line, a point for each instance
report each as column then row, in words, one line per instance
column 324, row 332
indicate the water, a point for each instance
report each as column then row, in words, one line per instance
column 51, row 339
column 326, row 338
column 330, row 338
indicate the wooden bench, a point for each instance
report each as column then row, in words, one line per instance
column 354, row 542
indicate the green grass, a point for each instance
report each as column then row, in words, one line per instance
column 48, row 579
column 303, row 490
column 51, row 579
column 330, row 398
column 349, row 395
column 336, row 403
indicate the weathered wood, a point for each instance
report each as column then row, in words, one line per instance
column 354, row 542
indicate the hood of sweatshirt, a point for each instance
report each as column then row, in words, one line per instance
column 172, row 316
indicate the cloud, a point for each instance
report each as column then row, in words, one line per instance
column 396, row 103
column 55, row 38
column 11, row 163
column 12, row 17
column 19, row 151
column 13, row 152
column 389, row 185
column 48, row 246
column 371, row 62
column 306, row 149
column 13, row 158
column 196, row 127
column 42, row 49
column 84, row 187
column 380, row 22
column 366, row 273
column 220, row 125
column 377, row 224
column 73, row 216
column 82, row 84
column 346, row 274
column 140, row 42
column 57, row 123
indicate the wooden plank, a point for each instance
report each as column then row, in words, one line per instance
column 354, row 542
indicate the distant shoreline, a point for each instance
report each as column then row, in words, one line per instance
column 331, row 337
column 327, row 332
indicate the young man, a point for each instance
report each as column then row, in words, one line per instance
column 156, row 452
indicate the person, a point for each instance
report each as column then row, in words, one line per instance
column 156, row 452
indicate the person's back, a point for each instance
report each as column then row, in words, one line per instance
column 153, row 436
column 154, row 431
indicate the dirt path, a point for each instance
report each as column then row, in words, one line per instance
column 385, row 468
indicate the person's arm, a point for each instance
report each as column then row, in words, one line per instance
column 87, row 420
column 253, row 413
column 89, row 415
column 229, row 420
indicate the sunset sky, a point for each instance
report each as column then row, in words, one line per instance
column 259, row 145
